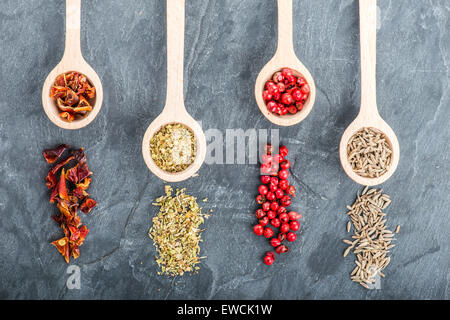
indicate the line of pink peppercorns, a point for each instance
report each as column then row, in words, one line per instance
column 274, row 197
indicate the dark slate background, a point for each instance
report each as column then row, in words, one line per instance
column 227, row 43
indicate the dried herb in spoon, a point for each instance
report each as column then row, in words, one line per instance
column 173, row 148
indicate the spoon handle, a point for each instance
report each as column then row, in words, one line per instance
column 175, row 53
column 285, row 40
column 73, row 26
column 368, row 47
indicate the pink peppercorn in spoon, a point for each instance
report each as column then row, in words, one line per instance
column 284, row 58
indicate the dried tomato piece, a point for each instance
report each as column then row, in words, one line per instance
column 72, row 174
column 90, row 92
column 78, row 173
column 62, row 105
column 54, row 194
column 79, row 155
column 68, row 214
column 74, row 251
column 76, row 220
column 56, row 168
column 83, row 102
column 51, row 155
column 84, row 184
column 82, row 109
column 64, row 208
column 50, row 180
column 57, row 92
column 71, row 98
column 80, row 193
column 62, row 188
column 63, row 247
column 88, row 205
column 72, row 80
column 83, row 171
column 66, row 115
column 74, row 233
column 64, row 227
column 60, row 80
column 83, row 233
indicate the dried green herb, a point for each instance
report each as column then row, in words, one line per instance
column 176, row 232
column 173, row 148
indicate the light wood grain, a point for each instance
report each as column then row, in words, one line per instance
column 174, row 110
column 283, row 58
column 72, row 61
column 368, row 116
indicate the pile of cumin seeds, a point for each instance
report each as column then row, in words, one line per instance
column 369, row 153
column 371, row 241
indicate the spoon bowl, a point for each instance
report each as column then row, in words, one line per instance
column 284, row 58
column 72, row 61
column 175, row 110
column 379, row 125
column 200, row 144
column 368, row 116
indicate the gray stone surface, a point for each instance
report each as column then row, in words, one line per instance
column 227, row 43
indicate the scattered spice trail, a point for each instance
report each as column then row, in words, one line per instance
column 275, row 195
column 176, row 232
column 371, row 240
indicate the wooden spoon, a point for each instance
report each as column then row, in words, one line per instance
column 284, row 58
column 174, row 110
column 72, row 61
column 368, row 116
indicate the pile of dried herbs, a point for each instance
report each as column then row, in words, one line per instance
column 173, row 148
column 176, row 232
column 69, row 193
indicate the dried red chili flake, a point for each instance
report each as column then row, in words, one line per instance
column 53, row 171
column 50, row 180
column 63, row 247
column 72, row 92
column 84, row 184
column 62, row 188
column 80, row 193
column 52, row 155
column 69, row 184
column 88, row 205
column 74, row 251
column 79, row 155
column 78, row 173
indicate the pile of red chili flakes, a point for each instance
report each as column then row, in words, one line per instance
column 71, row 91
column 69, row 179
